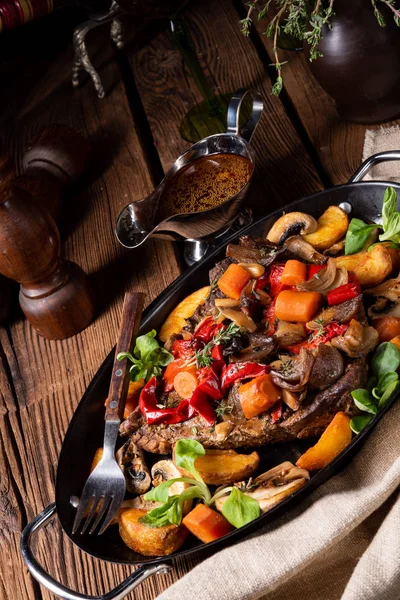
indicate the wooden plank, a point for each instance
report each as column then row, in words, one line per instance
column 44, row 380
column 230, row 61
column 338, row 143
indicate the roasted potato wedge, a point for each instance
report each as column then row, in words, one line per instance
column 98, row 455
column 176, row 319
column 395, row 255
column 334, row 439
column 332, row 226
column 371, row 268
column 150, row 541
column 219, row 467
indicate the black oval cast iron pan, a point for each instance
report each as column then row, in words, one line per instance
column 85, row 432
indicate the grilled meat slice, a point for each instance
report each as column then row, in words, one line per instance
column 233, row 430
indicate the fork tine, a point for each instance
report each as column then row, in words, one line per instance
column 97, row 502
column 100, row 514
column 114, row 506
column 80, row 513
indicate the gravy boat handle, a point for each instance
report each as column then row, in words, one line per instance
column 233, row 116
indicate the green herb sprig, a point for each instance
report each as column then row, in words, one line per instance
column 203, row 357
column 303, row 20
column 148, row 358
column 238, row 509
column 359, row 232
column 382, row 386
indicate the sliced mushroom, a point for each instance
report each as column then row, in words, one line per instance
column 388, row 289
column 384, row 307
column 226, row 303
column 271, row 487
column 388, row 299
column 131, row 460
column 291, row 399
column 294, row 374
column 164, row 470
column 263, row 256
column 250, row 304
column 239, row 318
column 342, row 313
column 299, row 247
column 290, row 224
column 260, row 347
column 262, row 296
column 327, row 368
column 290, row 333
column 357, row 341
column 336, row 249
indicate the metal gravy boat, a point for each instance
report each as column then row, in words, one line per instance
column 137, row 221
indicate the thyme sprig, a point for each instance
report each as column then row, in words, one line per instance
column 203, row 357
column 303, row 20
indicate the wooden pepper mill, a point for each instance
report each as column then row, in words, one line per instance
column 55, row 159
column 55, row 294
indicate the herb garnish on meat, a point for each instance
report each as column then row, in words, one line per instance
column 203, row 357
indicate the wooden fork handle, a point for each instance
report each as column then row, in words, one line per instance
column 130, row 322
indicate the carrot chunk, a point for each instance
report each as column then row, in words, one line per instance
column 206, row 524
column 258, row 395
column 173, row 368
column 186, row 381
column 297, row 306
column 295, row 272
column 233, row 281
column 387, row 328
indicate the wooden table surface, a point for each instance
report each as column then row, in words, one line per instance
column 301, row 144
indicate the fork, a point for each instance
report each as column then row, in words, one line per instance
column 105, row 488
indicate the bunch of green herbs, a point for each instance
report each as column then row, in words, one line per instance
column 148, row 359
column 383, row 385
column 358, row 232
column 238, row 509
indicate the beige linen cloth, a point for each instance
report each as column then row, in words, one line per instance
column 343, row 541
column 381, row 140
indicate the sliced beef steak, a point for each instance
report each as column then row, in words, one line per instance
column 234, row 431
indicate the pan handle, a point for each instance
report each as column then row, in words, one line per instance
column 232, row 118
column 372, row 161
column 60, row 590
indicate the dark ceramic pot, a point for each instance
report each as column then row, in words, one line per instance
column 360, row 66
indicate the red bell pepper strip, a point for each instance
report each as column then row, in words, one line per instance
column 184, row 349
column 270, row 317
column 217, row 358
column 344, row 292
column 154, row 415
column 262, row 282
column 201, row 402
column 276, row 411
column 319, row 337
column 238, row 371
column 313, row 269
column 207, row 329
column 209, row 383
column 275, row 276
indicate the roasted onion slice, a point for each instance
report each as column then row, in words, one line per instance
column 321, row 281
